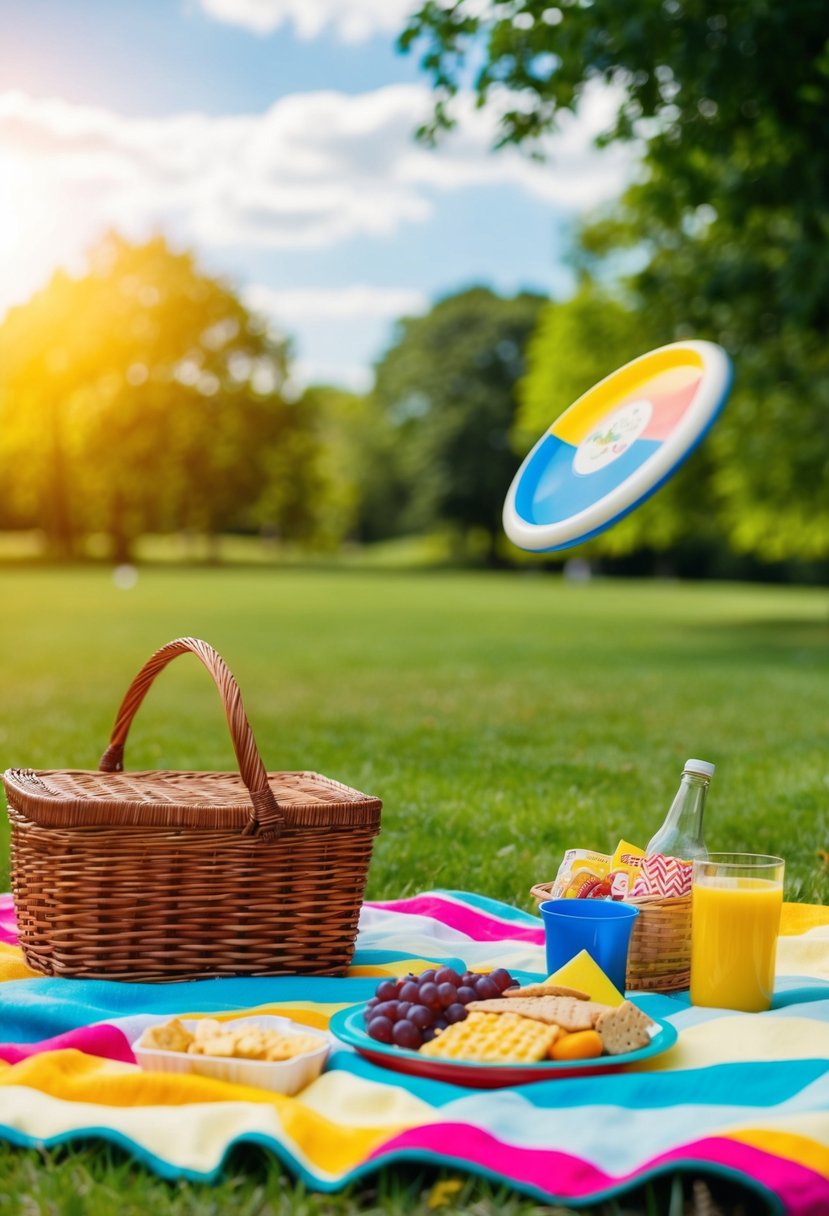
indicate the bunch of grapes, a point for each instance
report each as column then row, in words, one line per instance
column 409, row 1012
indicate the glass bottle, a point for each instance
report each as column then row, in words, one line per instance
column 681, row 833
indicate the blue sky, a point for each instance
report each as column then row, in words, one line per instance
column 274, row 137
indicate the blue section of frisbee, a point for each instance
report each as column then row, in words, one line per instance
column 551, row 490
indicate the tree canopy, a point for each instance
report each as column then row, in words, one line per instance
column 447, row 388
column 143, row 396
column 730, row 220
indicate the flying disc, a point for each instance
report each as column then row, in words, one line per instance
column 616, row 445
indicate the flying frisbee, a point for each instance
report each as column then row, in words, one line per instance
column 616, row 445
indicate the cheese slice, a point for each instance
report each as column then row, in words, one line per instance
column 584, row 973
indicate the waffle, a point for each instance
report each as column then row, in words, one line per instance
column 493, row 1038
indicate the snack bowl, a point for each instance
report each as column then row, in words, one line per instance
column 280, row 1076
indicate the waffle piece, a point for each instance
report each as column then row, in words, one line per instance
column 623, row 1029
column 493, row 1038
column 563, row 1011
column 548, row 990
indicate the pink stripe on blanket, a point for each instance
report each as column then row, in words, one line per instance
column 8, row 922
column 102, row 1040
column 563, row 1176
column 476, row 925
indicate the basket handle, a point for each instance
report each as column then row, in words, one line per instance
column 265, row 817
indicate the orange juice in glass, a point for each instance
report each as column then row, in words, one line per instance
column 735, row 916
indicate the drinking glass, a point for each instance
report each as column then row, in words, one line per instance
column 736, row 900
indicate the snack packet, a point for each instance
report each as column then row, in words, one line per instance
column 581, row 872
column 625, row 866
column 586, row 874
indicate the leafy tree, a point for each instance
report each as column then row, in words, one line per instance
column 731, row 217
column 448, row 387
column 144, row 396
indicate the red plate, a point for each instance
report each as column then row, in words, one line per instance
column 349, row 1026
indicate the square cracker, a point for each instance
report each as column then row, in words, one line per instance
column 564, row 1011
column 623, row 1029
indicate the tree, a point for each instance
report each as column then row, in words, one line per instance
column 144, row 396
column 731, row 218
column 448, row 388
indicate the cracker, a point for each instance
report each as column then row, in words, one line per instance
column 548, row 990
column 623, row 1029
column 170, row 1037
column 490, row 1038
column 563, row 1011
column 223, row 1039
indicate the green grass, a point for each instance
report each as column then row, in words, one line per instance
column 502, row 718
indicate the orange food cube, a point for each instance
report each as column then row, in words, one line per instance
column 580, row 1045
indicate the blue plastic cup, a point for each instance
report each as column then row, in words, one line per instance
column 599, row 926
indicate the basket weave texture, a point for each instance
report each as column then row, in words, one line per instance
column 659, row 958
column 152, row 876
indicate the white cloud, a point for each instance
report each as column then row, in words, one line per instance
column 359, row 301
column 350, row 20
column 312, row 171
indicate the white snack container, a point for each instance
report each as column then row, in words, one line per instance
column 280, row 1076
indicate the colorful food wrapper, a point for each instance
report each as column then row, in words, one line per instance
column 665, row 876
column 585, row 874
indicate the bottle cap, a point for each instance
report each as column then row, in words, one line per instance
column 699, row 766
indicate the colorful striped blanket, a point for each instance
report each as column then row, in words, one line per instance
column 746, row 1096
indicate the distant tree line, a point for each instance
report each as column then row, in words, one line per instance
column 143, row 397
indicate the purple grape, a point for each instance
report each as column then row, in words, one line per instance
column 387, row 990
column 429, row 995
column 469, row 978
column 422, row 1016
column 466, row 994
column 428, row 1034
column 455, row 1013
column 404, row 1008
column 410, row 991
column 447, row 976
column 386, row 1009
column 502, row 978
column 406, row 1034
column 381, row 1029
column 427, row 976
column 441, row 1022
column 447, row 994
column 486, row 988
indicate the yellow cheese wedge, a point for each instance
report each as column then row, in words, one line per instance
column 585, row 974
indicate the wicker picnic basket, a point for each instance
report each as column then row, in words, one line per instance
column 659, row 958
column 164, row 875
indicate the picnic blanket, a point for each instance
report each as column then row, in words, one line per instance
column 745, row 1096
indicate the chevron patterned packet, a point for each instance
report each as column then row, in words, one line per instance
column 666, row 876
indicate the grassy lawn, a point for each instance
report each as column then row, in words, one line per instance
column 502, row 718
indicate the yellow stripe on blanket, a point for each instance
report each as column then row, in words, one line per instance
column 13, row 965
column 800, row 1138
column 798, row 918
column 737, row 1039
column 330, row 1142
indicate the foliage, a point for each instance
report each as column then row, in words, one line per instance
column 448, row 388
column 143, row 396
column 731, row 217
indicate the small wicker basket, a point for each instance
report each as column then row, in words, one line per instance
column 659, row 958
column 152, row 876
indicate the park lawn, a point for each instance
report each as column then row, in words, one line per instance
column 501, row 718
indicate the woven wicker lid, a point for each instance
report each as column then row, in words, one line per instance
column 181, row 799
